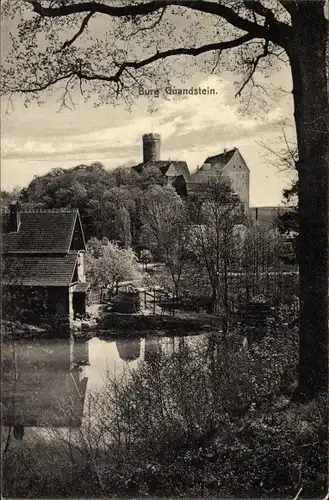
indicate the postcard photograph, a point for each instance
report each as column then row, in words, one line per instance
column 164, row 249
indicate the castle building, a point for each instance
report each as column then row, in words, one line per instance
column 176, row 172
column 229, row 164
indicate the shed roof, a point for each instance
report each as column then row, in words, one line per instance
column 41, row 231
column 39, row 270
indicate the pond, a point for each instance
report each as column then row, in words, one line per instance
column 41, row 379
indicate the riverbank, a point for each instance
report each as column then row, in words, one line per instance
column 115, row 324
column 131, row 324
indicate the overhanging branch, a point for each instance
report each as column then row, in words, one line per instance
column 184, row 51
column 289, row 5
column 253, row 66
column 80, row 74
column 277, row 34
column 258, row 8
column 81, row 30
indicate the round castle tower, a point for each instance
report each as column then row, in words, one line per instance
column 151, row 147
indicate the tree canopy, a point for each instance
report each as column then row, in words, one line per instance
column 107, row 264
column 109, row 201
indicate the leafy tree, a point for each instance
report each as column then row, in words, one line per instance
column 122, row 227
column 212, row 237
column 288, row 221
column 79, row 187
column 158, row 205
column 286, row 159
column 8, row 196
column 52, row 46
column 166, row 230
column 107, row 264
column 108, row 200
column 262, row 257
column 99, row 194
column 96, row 247
column 175, row 245
column 124, row 176
column 151, row 176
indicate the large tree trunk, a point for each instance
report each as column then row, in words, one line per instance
column 308, row 63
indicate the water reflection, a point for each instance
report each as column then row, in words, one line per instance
column 43, row 383
column 129, row 349
column 156, row 347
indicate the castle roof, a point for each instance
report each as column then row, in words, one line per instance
column 179, row 167
column 222, row 159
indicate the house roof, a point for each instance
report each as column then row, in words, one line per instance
column 39, row 270
column 222, row 159
column 180, row 167
column 41, row 231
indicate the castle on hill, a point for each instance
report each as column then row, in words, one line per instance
column 229, row 164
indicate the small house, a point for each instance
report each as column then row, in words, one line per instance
column 43, row 259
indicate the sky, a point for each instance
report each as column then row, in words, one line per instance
column 35, row 139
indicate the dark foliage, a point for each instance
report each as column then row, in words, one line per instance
column 99, row 194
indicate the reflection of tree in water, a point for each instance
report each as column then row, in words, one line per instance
column 42, row 384
column 158, row 347
column 152, row 349
column 129, row 349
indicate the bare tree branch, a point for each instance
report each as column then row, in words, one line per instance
column 289, row 5
column 258, row 8
column 277, row 31
column 82, row 75
column 81, row 30
column 253, row 66
column 46, row 85
column 185, row 51
column 153, row 25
